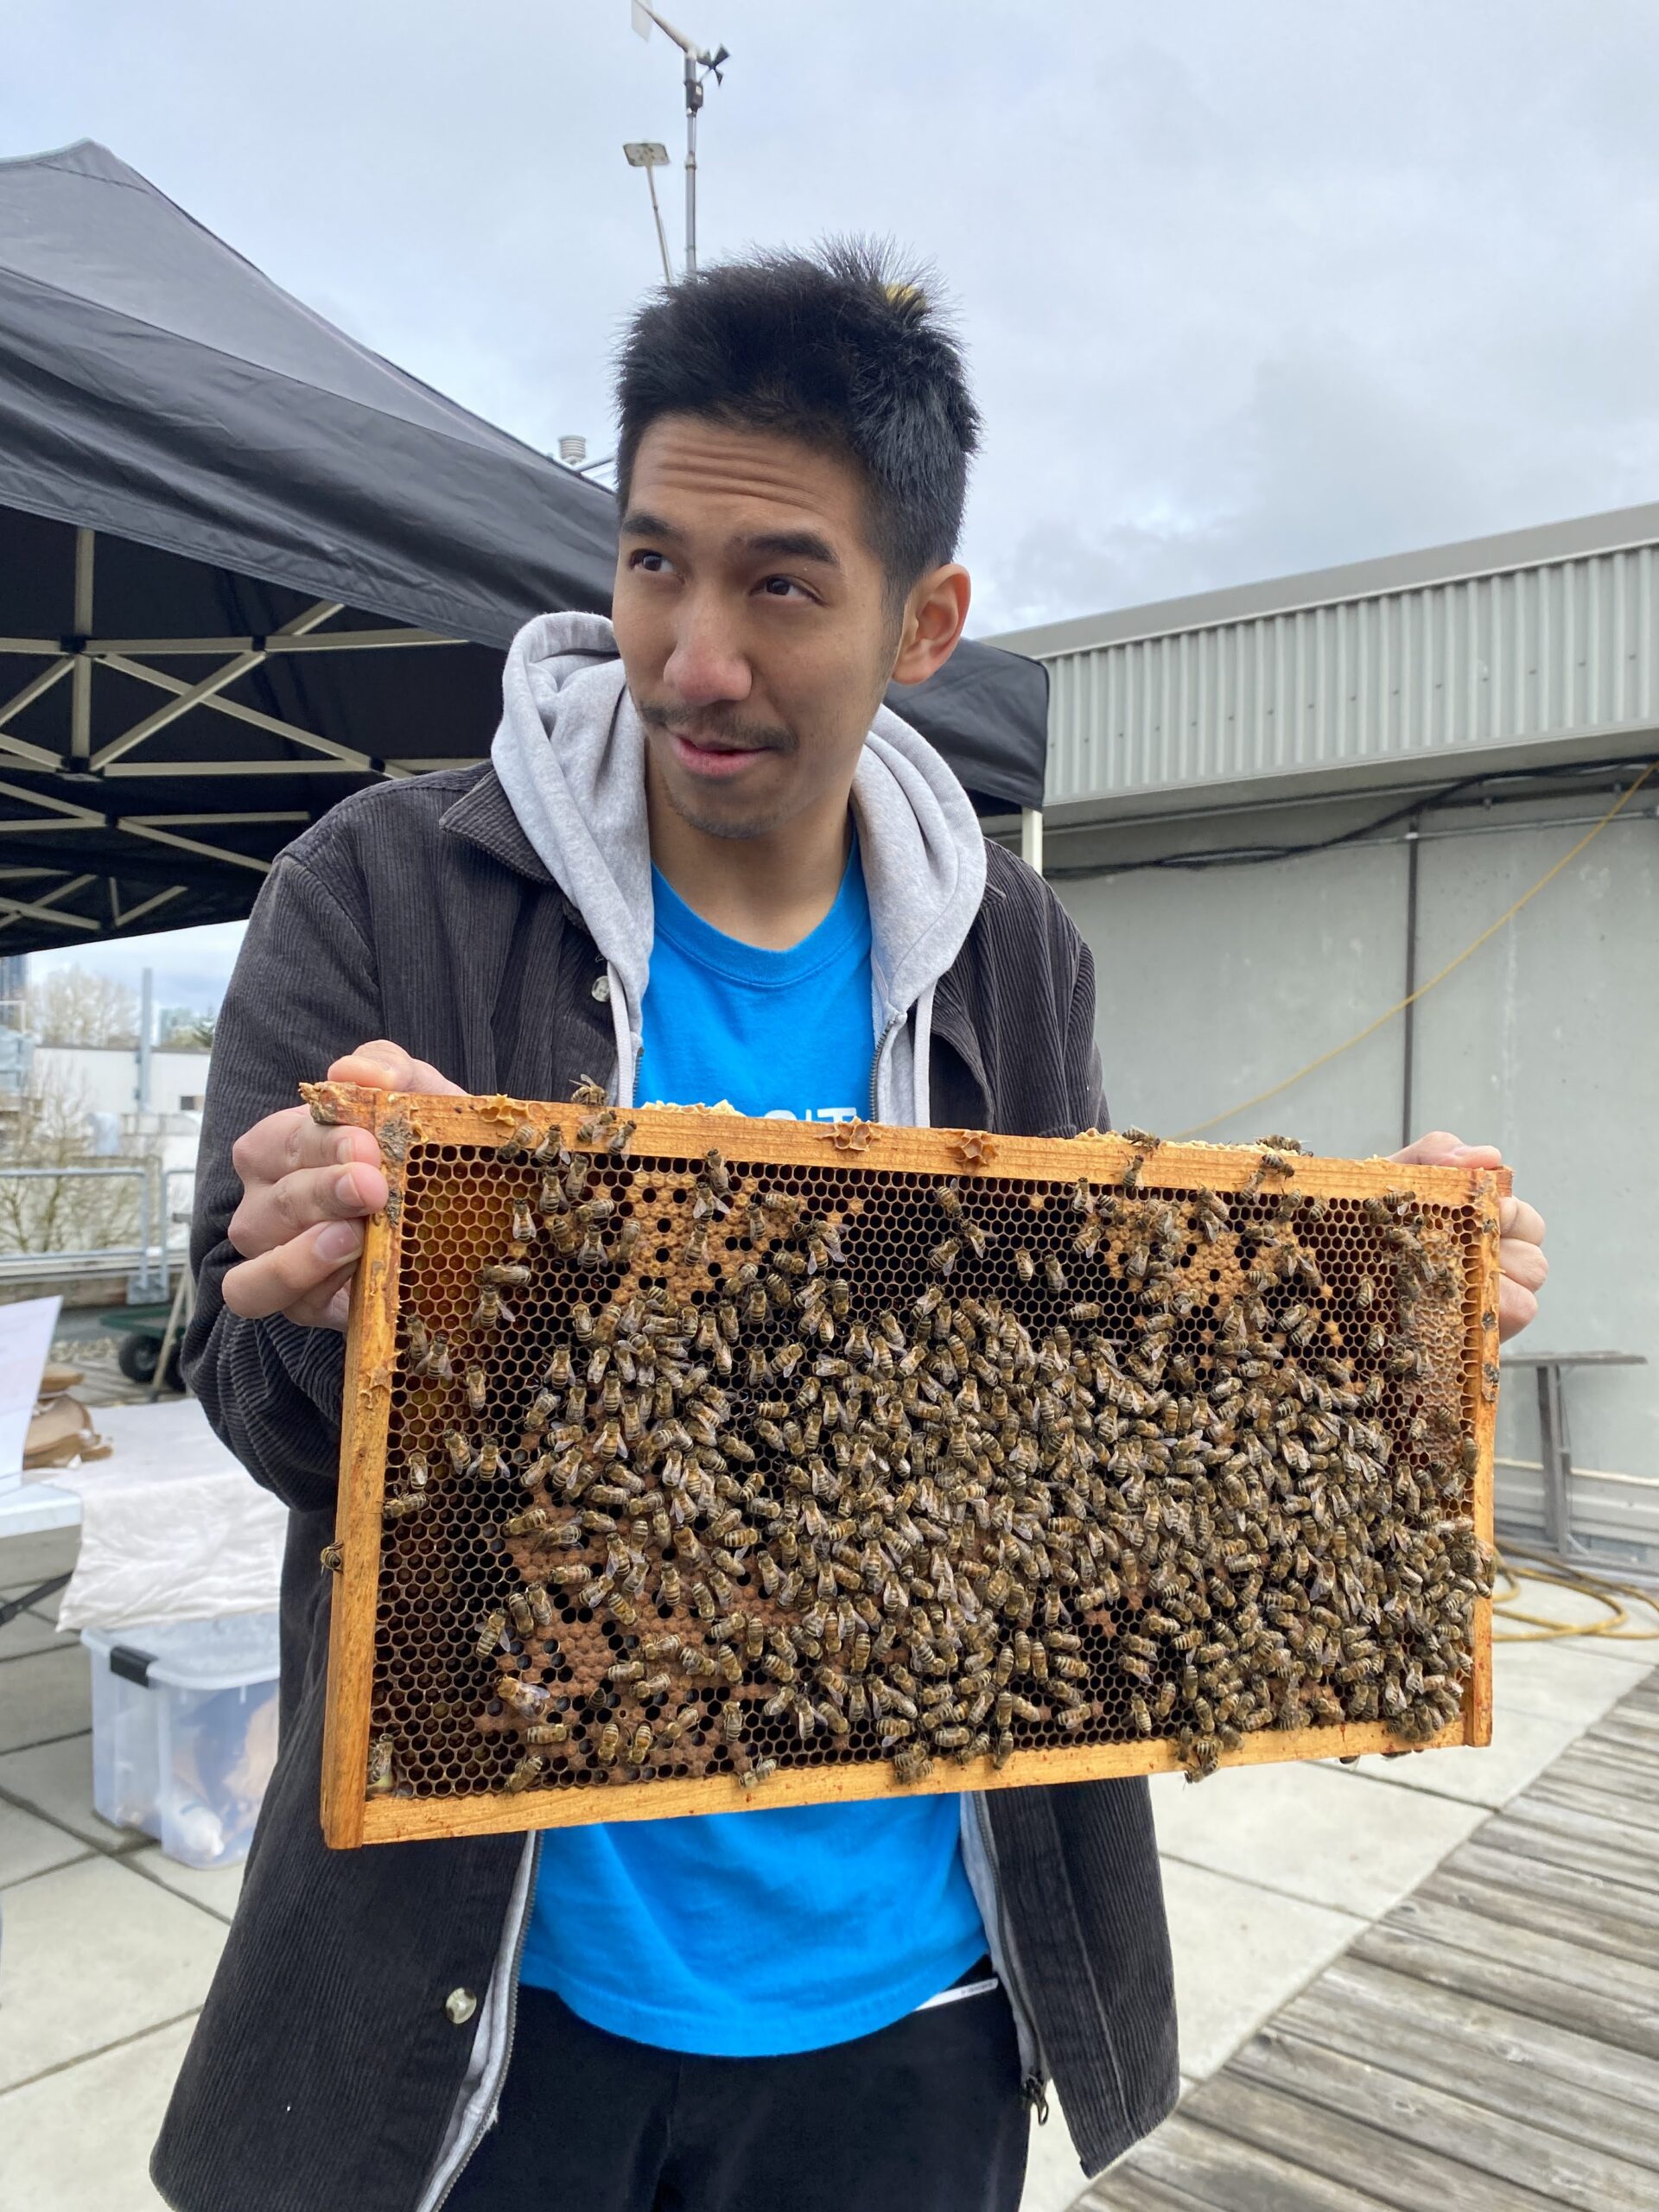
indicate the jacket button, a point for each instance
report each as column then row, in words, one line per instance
column 461, row 2005
column 602, row 989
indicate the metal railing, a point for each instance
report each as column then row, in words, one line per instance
column 149, row 1262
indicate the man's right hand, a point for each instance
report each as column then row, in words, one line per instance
column 305, row 1191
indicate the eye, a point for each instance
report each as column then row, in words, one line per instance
column 637, row 560
column 775, row 586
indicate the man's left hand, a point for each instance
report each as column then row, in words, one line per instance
column 1519, row 1227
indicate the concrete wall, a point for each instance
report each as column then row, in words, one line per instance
column 1215, row 984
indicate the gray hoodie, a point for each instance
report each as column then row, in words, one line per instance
column 570, row 754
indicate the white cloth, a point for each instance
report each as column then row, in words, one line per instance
column 172, row 1527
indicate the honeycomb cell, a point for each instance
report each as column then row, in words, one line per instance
column 697, row 1465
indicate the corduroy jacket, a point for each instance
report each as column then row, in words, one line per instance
column 327, row 2063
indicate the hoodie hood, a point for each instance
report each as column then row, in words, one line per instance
column 570, row 755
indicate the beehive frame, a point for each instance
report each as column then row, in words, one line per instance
column 451, row 1208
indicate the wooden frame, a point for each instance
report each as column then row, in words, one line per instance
column 398, row 1120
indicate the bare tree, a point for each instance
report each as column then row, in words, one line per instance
column 76, row 1006
column 68, row 1213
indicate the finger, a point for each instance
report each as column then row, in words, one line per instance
column 275, row 1213
column 1517, row 1218
column 1516, row 1308
column 329, row 1307
column 382, row 1066
column 290, row 1139
column 294, row 1271
column 1523, row 1262
column 1423, row 1152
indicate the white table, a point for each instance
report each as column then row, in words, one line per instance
column 173, row 1528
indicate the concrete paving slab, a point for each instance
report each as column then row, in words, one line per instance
column 47, row 1693
column 55, row 1780
column 1522, row 1745
column 25, row 1561
column 1309, row 1832
column 80, row 2140
column 215, row 1888
column 36, row 1630
column 1240, row 1952
column 29, row 1845
column 93, row 1954
column 1575, row 1678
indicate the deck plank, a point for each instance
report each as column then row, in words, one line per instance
column 1224, row 2174
column 1589, row 1793
column 1397, row 2170
column 1500, row 2143
column 1634, row 1911
column 1519, row 1989
column 1463, row 1929
column 1557, row 1836
column 1590, row 1923
column 1366, row 2009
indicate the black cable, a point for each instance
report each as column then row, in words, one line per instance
column 1260, row 855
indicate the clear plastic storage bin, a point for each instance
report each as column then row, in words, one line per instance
column 184, row 1731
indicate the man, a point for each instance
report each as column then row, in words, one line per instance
column 713, row 867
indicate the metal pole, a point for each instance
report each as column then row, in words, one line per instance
column 662, row 235
column 1408, row 1019
column 693, row 102
column 146, row 1009
column 1031, row 836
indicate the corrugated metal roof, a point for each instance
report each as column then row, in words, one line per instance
column 1540, row 643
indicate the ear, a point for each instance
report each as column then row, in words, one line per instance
column 934, row 615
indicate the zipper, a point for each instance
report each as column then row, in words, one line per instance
column 875, row 1064
column 479, row 2132
column 1033, row 2087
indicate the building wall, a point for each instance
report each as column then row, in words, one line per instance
column 107, row 1076
column 1214, row 985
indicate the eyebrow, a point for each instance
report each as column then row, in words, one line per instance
column 778, row 544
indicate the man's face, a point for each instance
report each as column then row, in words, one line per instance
column 751, row 620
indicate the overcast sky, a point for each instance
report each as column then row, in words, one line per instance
column 1246, row 287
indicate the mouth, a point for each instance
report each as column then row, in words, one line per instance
column 711, row 758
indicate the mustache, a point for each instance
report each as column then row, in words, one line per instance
column 725, row 729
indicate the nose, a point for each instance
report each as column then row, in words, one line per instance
column 707, row 666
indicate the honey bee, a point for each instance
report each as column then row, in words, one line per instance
column 381, row 1779
column 715, row 1173
column 911, row 1766
column 434, row 1363
column 490, row 1631
column 491, row 1311
column 1056, row 1275
column 942, row 1258
column 608, row 1748
column 547, row 1731
column 509, row 1274
column 759, row 1771
column 459, row 1449
column 639, row 1744
column 523, row 1139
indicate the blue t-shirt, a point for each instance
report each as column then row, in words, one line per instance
column 749, row 1934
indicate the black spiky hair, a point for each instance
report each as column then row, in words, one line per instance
column 843, row 348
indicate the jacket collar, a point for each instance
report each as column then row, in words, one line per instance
column 484, row 815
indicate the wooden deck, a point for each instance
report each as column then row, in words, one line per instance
column 1491, row 2045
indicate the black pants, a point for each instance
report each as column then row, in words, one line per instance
column 924, row 2116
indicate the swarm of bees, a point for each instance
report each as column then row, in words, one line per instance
column 799, row 1473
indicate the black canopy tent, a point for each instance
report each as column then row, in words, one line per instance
column 248, row 566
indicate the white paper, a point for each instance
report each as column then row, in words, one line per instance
column 25, row 1340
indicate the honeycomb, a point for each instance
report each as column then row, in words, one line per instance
column 701, row 1466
